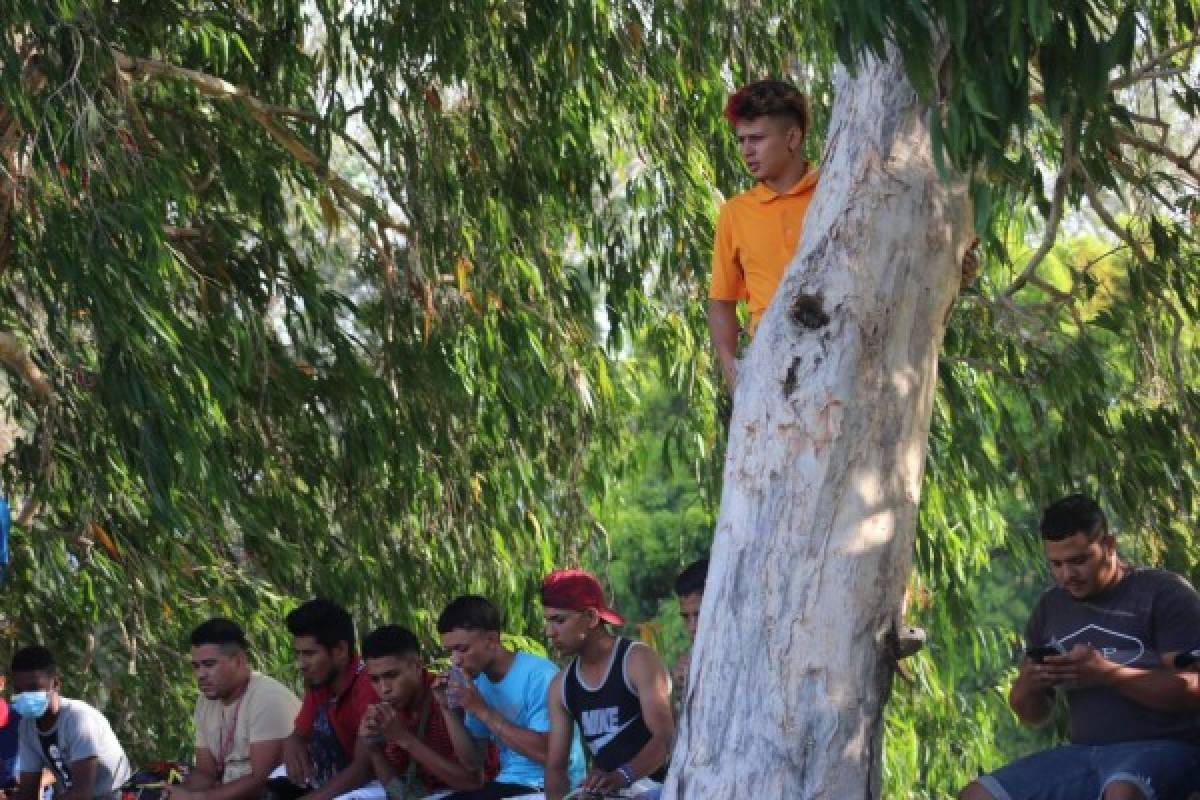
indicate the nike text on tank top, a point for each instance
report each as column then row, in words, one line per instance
column 609, row 715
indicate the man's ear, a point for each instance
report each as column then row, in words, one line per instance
column 1109, row 543
column 593, row 618
column 341, row 653
column 795, row 138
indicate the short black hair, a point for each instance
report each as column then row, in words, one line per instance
column 768, row 98
column 325, row 621
column 391, row 640
column 1075, row 513
column 691, row 580
column 34, row 658
column 225, row 633
column 469, row 613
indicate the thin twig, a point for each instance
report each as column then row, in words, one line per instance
column 1159, row 150
column 1151, row 70
column 1110, row 221
column 1057, row 206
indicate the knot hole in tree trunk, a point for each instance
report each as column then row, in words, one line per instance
column 808, row 312
column 790, row 379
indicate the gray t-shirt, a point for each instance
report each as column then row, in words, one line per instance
column 79, row 732
column 1149, row 612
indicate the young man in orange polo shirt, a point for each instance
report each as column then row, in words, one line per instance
column 758, row 230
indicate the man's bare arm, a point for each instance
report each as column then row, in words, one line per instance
column 29, row 784
column 724, row 330
column 265, row 756
column 83, row 779
column 558, row 744
column 649, row 678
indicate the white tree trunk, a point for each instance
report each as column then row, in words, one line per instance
column 814, row 545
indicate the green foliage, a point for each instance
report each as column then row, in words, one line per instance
column 659, row 517
column 340, row 298
column 331, row 299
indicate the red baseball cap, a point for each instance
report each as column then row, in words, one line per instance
column 577, row 590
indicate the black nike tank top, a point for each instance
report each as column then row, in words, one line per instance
column 609, row 715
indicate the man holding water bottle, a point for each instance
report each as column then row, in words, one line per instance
column 498, row 696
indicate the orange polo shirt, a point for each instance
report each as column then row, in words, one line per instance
column 757, row 234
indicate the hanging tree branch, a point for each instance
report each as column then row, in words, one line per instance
column 1154, row 67
column 1154, row 148
column 1057, row 206
column 266, row 116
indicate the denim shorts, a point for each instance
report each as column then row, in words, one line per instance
column 1161, row 768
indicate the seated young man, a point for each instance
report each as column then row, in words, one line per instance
column 319, row 754
column 689, row 589
column 67, row 737
column 615, row 689
column 504, row 700
column 242, row 718
column 1099, row 637
column 404, row 739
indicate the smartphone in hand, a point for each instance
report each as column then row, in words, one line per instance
column 1185, row 660
column 1041, row 652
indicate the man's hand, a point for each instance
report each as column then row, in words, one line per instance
column 369, row 729
column 468, row 697
column 601, row 783
column 1035, row 676
column 1083, row 667
column 729, row 368
column 392, row 726
column 723, row 327
column 440, row 684
column 297, row 760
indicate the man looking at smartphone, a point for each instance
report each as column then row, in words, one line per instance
column 1100, row 637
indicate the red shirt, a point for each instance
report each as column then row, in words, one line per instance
column 345, row 709
column 437, row 739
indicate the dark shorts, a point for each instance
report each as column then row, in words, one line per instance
column 1161, row 769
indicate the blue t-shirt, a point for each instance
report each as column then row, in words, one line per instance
column 520, row 697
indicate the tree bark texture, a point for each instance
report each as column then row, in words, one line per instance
column 827, row 445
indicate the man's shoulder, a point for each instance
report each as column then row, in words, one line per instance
column 73, row 709
column 743, row 200
column 1160, row 579
column 363, row 693
column 264, row 688
column 535, row 665
column 77, row 717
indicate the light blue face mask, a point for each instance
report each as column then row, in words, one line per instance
column 30, row 704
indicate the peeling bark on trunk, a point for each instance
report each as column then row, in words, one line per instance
column 814, row 545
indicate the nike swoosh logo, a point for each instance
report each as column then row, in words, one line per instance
column 600, row 742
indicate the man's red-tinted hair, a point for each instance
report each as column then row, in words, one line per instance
column 768, row 99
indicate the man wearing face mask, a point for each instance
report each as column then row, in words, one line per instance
column 758, row 230
column 68, row 737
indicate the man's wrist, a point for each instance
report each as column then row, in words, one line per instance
column 626, row 772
